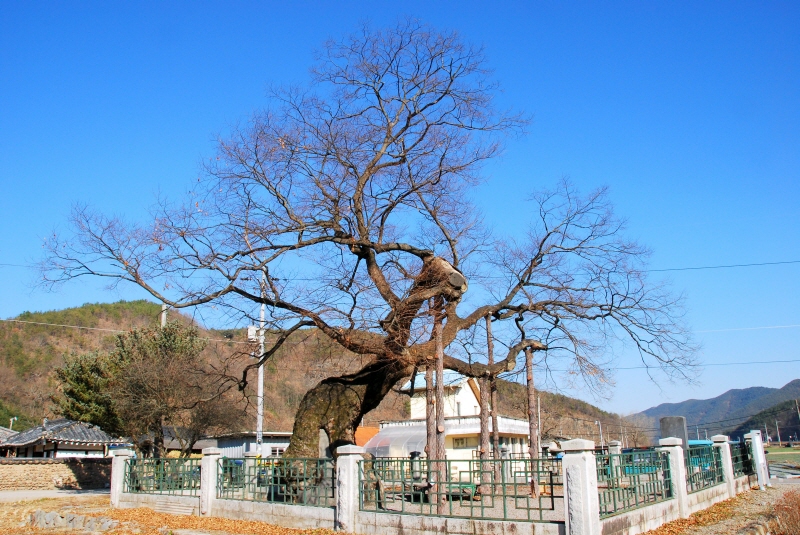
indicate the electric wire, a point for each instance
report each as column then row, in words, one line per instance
column 104, row 330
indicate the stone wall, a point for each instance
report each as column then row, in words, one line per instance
column 46, row 474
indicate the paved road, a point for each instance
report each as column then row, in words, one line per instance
column 20, row 495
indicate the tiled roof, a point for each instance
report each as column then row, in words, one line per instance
column 62, row 431
column 5, row 433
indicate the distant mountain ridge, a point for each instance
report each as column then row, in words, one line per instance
column 730, row 408
column 785, row 415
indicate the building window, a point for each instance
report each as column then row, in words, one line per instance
column 277, row 452
column 458, row 408
column 460, row 443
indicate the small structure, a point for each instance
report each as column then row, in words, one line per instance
column 462, row 424
column 59, row 439
column 235, row 445
column 172, row 444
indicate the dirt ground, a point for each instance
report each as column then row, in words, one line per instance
column 13, row 516
column 730, row 516
column 724, row 518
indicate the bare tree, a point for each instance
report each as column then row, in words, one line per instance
column 352, row 197
column 639, row 430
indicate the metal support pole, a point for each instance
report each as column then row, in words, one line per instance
column 778, row 431
column 260, row 408
column 600, row 424
column 539, row 422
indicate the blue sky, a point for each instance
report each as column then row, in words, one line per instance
column 689, row 113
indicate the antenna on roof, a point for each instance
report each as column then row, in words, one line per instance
column 11, row 422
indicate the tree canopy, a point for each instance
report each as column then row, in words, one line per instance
column 154, row 379
column 346, row 205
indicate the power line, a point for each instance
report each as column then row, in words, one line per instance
column 749, row 328
column 692, row 268
column 104, row 330
column 710, row 364
column 41, row 323
column 725, row 266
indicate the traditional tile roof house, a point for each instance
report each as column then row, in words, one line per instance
column 60, row 438
column 5, row 432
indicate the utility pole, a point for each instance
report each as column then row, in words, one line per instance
column 600, row 424
column 797, row 406
column 778, row 431
column 163, row 315
column 697, row 430
column 11, row 422
column 766, row 433
column 539, row 422
column 260, row 407
column 706, row 432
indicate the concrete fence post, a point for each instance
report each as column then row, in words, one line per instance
column 677, row 472
column 614, row 448
column 250, row 471
column 759, row 458
column 209, row 468
column 118, row 474
column 724, row 448
column 581, row 501
column 347, row 487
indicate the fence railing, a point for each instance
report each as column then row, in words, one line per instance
column 291, row 481
column 163, row 476
column 742, row 459
column 497, row 489
column 630, row 480
column 703, row 468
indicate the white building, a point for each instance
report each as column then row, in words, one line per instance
column 234, row 445
column 462, row 424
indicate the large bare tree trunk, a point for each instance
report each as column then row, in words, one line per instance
column 440, row 410
column 492, row 390
column 440, row 468
column 337, row 405
column 533, row 425
column 484, row 439
column 430, row 413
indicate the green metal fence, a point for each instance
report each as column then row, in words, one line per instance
column 291, row 481
column 742, row 459
column 496, row 489
column 163, row 476
column 703, row 468
column 630, row 480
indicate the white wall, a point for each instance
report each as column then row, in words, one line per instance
column 459, row 400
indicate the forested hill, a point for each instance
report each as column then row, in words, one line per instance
column 732, row 405
column 30, row 351
column 785, row 414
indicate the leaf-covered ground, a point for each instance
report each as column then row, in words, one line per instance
column 729, row 516
column 132, row 521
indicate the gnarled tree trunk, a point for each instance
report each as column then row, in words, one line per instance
column 337, row 405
